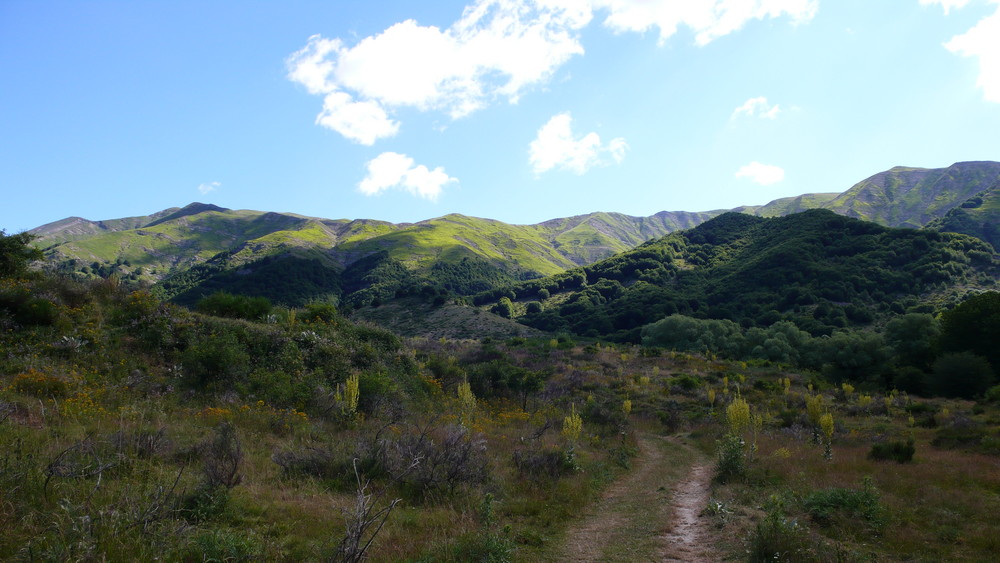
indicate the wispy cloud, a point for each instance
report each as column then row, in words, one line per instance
column 208, row 187
column 757, row 107
column 708, row 19
column 555, row 147
column 393, row 170
column 762, row 174
column 983, row 42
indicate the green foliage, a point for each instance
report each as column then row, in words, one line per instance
column 974, row 326
column 686, row 334
column 854, row 356
column 16, row 253
column 818, row 270
column 223, row 545
column 777, row 539
column 913, row 337
column 979, row 216
column 732, row 463
column 320, row 312
column 896, row 450
column 993, row 394
column 961, row 374
column 827, row 505
column 504, row 308
column 224, row 304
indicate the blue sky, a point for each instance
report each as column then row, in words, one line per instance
column 518, row 110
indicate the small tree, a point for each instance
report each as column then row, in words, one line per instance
column 962, row 374
column 16, row 253
column 504, row 308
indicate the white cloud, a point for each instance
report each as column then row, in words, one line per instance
column 708, row 19
column 763, row 174
column 982, row 41
column 496, row 50
column 208, row 187
column 555, row 147
column 946, row 4
column 393, row 170
column 362, row 122
column 757, row 107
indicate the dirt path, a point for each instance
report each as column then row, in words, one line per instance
column 688, row 539
column 651, row 514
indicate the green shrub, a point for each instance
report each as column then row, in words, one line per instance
column 898, row 451
column 320, row 313
column 216, row 361
column 777, row 539
column 686, row 382
column 849, row 505
column 993, row 394
column 222, row 304
column 732, row 461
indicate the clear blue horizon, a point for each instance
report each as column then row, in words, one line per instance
column 515, row 110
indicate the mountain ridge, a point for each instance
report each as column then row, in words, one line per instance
column 157, row 248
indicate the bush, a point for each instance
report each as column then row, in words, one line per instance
column 320, row 312
column 824, row 506
column 732, row 462
column 222, row 304
column 221, row 458
column 776, row 539
column 41, row 385
column 544, row 461
column 448, row 456
column 898, row 451
column 216, row 362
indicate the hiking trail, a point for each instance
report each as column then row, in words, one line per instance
column 651, row 513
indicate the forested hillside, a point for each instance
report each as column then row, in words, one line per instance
column 816, row 269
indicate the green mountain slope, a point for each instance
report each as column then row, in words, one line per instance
column 190, row 250
column 913, row 197
column 817, row 269
column 979, row 216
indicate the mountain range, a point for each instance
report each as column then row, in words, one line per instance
column 190, row 251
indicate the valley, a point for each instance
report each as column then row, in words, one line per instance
column 790, row 384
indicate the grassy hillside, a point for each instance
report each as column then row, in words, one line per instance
column 912, row 197
column 193, row 251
